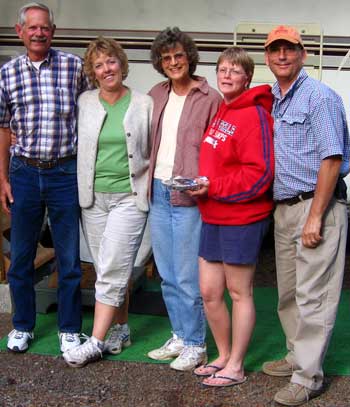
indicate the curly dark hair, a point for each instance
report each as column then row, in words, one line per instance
column 166, row 40
column 106, row 46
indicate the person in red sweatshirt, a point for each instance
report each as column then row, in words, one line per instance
column 235, row 202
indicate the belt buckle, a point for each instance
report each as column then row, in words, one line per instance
column 46, row 164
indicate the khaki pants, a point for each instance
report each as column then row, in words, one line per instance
column 309, row 286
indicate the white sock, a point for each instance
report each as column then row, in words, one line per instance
column 97, row 342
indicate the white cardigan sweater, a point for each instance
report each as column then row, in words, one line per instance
column 137, row 123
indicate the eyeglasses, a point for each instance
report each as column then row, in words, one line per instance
column 168, row 58
column 289, row 49
column 231, row 72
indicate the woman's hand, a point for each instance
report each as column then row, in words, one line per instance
column 202, row 191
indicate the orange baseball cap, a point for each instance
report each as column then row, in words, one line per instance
column 284, row 32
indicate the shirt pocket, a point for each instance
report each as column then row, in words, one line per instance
column 64, row 103
column 194, row 133
column 294, row 130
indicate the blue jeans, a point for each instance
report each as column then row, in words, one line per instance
column 175, row 232
column 34, row 190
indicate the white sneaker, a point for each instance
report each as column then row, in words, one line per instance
column 68, row 340
column 18, row 340
column 190, row 357
column 171, row 349
column 89, row 351
column 119, row 338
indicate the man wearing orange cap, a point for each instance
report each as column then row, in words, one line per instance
column 311, row 143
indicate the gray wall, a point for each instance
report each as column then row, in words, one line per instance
column 195, row 15
column 190, row 15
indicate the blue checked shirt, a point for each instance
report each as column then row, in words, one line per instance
column 309, row 126
column 40, row 106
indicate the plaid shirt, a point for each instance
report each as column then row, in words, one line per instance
column 40, row 105
column 309, row 126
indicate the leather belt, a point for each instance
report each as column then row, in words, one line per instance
column 45, row 164
column 296, row 199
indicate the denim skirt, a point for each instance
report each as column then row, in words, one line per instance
column 232, row 244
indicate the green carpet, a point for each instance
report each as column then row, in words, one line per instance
column 149, row 332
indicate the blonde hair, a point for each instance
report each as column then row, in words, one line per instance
column 106, row 46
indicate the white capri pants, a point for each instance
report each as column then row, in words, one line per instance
column 113, row 229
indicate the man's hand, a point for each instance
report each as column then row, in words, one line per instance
column 326, row 182
column 6, row 197
column 311, row 236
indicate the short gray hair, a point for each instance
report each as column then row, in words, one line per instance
column 22, row 12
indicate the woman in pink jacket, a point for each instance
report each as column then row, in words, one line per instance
column 184, row 105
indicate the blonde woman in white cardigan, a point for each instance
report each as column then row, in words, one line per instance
column 113, row 158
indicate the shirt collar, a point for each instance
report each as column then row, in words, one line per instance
column 276, row 90
column 202, row 85
column 48, row 58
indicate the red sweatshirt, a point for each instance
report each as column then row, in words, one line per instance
column 237, row 157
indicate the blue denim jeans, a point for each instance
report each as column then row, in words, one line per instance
column 175, row 232
column 34, row 190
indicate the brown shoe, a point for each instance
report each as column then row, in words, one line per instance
column 278, row 368
column 295, row 394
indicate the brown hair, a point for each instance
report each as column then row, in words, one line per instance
column 106, row 46
column 168, row 39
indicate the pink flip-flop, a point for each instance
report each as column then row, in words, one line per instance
column 230, row 381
